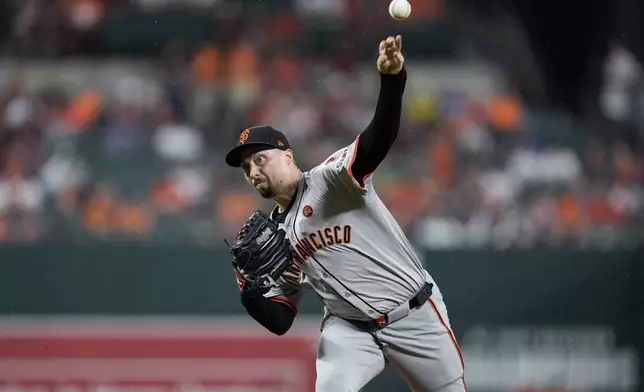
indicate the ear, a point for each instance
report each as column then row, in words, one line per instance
column 289, row 155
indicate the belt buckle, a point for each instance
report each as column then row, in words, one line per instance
column 382, row 321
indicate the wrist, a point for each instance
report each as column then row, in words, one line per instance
column 397, row 72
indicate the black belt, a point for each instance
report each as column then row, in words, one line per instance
column 399, row 313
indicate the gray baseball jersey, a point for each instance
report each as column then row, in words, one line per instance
column 346, row 244
column 350, row 250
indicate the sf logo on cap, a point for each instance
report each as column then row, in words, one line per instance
column 244, row 136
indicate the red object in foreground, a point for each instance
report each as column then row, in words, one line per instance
column 134, row 357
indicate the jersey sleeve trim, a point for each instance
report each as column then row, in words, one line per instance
column 240, row 281
column 276, row 298
column 363, row 183
column 285, row 301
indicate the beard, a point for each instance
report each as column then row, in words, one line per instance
column 266, row 190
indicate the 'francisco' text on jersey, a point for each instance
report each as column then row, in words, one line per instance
column 320, row 239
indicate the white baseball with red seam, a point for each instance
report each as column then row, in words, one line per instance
column 399, row 9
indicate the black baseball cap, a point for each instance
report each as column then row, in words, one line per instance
column 257, row 137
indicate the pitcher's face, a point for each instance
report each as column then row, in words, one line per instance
column 266, row 170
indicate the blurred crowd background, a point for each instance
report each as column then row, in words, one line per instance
column 518, row 174
column 115, row 116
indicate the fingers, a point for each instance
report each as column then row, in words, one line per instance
column 399, row 58
column 390, row 50
column 381, row 61
column 390, row 45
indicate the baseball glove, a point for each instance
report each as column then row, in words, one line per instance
column 261, row 253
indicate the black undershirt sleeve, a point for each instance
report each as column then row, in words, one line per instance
column 275, row 316
column 376, row 140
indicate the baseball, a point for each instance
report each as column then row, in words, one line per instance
column 399, row 9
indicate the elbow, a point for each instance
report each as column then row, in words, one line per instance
column 282, row 327
column 275, row 316
column 280, row 331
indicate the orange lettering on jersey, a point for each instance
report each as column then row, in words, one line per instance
column 302, row 250
column 314, row 242
column 346, row 237
column 321, row 238
column 314, row 237
column 294, row 273
column 328, row 234
column 297, row 258
column 336, row 236
column 308, row 245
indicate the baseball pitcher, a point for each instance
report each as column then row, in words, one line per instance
column 331, row 233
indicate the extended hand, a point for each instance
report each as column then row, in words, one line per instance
column 391, row 60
